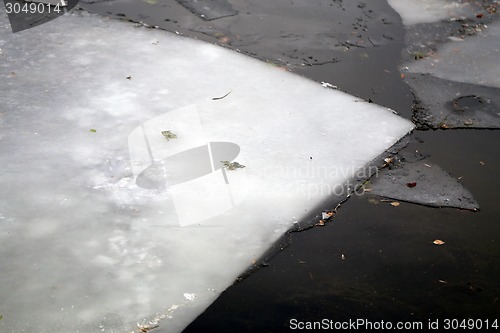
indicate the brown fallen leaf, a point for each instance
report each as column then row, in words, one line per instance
column 412, row 184
column 438, row 242
column 395, row 203
column 147, row 328
column 320, row 223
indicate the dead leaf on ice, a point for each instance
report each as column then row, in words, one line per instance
column 169, row 135
column 321, row 223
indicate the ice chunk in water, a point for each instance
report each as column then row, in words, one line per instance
column 209, row 9
column 473, row 60
column 106, row 223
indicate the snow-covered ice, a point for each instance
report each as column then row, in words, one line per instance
column 105, row 223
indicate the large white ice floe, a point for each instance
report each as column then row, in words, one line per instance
column 105, row 221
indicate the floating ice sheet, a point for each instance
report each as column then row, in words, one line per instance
column 142, row 172
column 471, row 57
column 423, row 183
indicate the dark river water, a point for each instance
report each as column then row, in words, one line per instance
column 373, row 261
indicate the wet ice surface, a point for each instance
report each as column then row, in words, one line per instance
column 423, row 183
column 85, row 248
column 473, row 59
column 452, row 59
column 409, row 175
column 447, row 104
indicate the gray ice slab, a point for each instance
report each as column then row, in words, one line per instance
column 209, row 9
column 473, row 59
column 451, row 64
column 309, row 39
column 49, row 2
column 423, row 183
column 446, row 104
column 108, row 220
